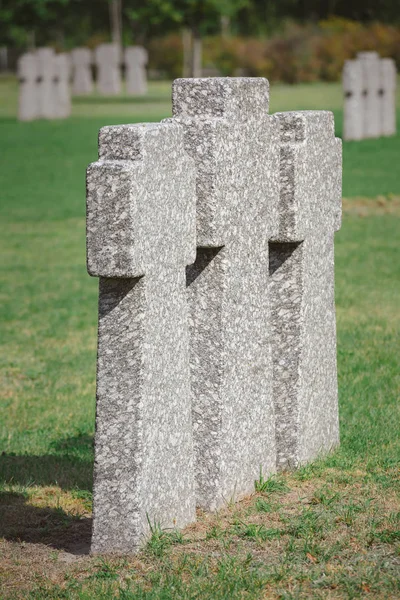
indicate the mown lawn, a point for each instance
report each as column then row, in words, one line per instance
column 330, row 530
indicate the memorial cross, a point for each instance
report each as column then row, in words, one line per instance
column 82, row 80
column 45, row 83
column 62, row 93
column 108, row 58
column 140, row 237
column 388, row 96
column 136, row 59
column 353, row 118
column 370, row 67
column 235, row 145
column 28, row 108
column 302, row 288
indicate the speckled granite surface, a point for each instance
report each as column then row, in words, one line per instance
column 140, row 237
column 235, row 145
column 212, row 235
column 302, row 288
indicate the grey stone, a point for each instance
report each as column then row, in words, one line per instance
column 140, row 237
column 45, row 87
column 370, row 65
column 388, row 96
column 62, row 93
column 302, row 288
column 353, row 117
column 107, row 58
column 136, row 59
column 235, row 145
column 82, row 79
column 28, row 107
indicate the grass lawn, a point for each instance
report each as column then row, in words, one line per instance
column 329, row 530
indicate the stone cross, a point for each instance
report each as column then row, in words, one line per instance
column 369, row 85
column 235, row 145
column 62, row 93
column 140, row 237
column 28, row 108
column 108, row 58
column 82, row 80
column 45, row 86
column 353, row 117
column 388, row 96
column 370, row 67
column 302, row 288
column 136, row 59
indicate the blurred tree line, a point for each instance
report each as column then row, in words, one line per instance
column 290, row 40
column 74, row 22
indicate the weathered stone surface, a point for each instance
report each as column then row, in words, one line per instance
column 46, row 73
column 388, row 82
column 107, row 58
column 353, row 118
column 302, row 288
column 370, row 66
column 28, row 107
column 82, row 79
column 235, row 145
column 140, row 237
column 212, row 234
column 136, row 59
column 62, row 93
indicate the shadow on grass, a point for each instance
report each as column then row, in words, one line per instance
column 21, row 522
column 69, row 467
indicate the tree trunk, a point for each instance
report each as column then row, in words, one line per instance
column 187, row 52
column 115, row 8
column 197, row 54
column 31, row 40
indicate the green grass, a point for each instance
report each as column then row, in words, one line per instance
column 330, row 530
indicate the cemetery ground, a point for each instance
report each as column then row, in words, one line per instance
column 329, row 530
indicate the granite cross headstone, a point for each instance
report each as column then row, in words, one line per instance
column 370, row 66
column 135, row 68
column 45, row 88
column 108, row 58
column 62, row 93
column 388, row 96
column 28, row 108
column 82, row 80
column 235, row 145
column 353, row 117
column 140, row 237
column 302, row 288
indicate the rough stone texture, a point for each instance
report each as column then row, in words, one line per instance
column 62, row 93
column 28, row 108
column 388, row 96
column 136, row 59
column 235, row 145
column 353, row 119
column 140, row 237
column 107, row 58
column 46, row 73
column 82, row 79
column 302, row 288
column 370, row 65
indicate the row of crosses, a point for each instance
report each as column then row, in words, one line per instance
column 212, row 234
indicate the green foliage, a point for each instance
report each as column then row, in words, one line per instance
column 161, row 540
column 273, row 484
